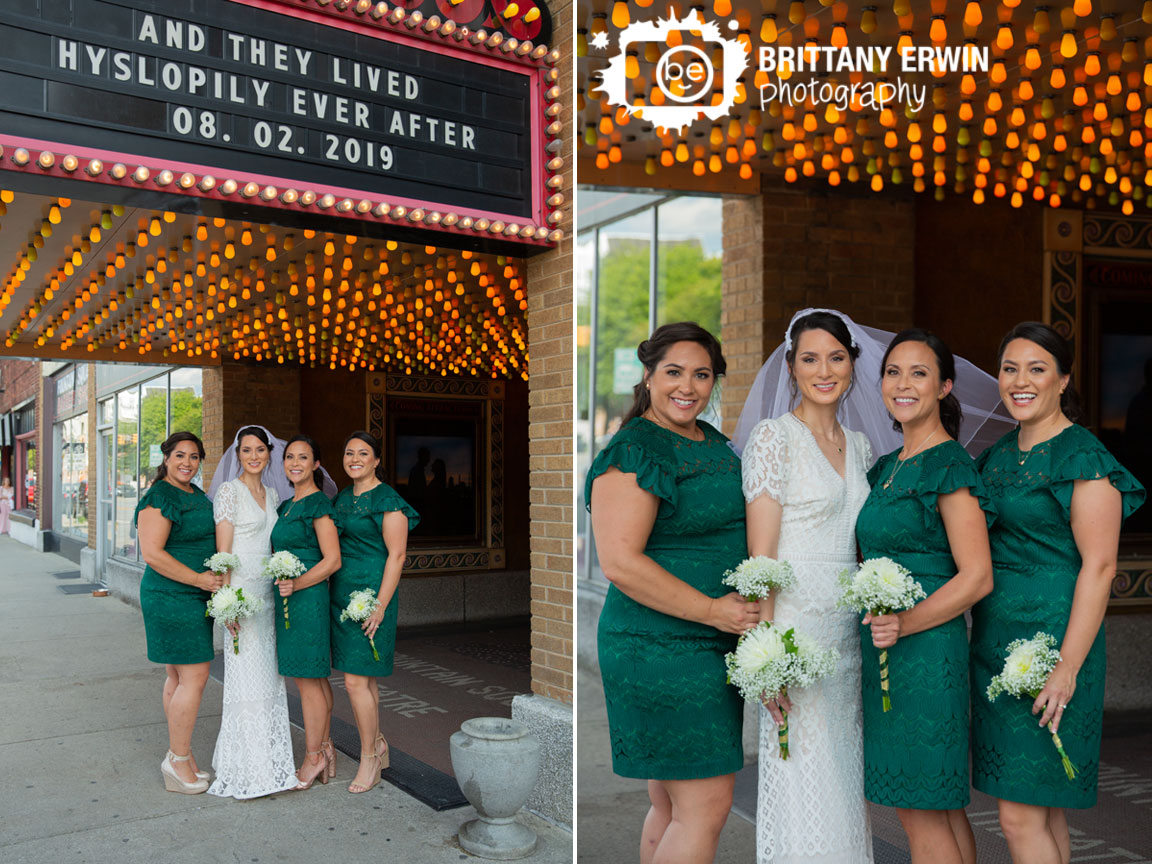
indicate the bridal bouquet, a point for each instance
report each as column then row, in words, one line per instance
column 228, row 605
column 361, row 605
column 754, row 577
column 769, row 660
column 222, row 562
column 1026, row 671
column 880, row 586
column 282, row 566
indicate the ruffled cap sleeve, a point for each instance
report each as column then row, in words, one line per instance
column 1083, row 457
column 764, row 462
column 312, row 507
column 946, row 469
column 385, row 499
column 631, row 453
column 171, row 502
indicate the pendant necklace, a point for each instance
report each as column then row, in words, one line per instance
column 813, row 431
column 900, row 462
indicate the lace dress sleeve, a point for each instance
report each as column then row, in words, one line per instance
column 273, row 498
column 764, row 464
column 224, row 507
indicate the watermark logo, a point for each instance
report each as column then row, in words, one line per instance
column 684, row 74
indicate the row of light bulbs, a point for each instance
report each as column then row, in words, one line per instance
column 1095, row 149
column 422, row 309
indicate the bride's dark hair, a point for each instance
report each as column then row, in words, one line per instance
column 256, row 432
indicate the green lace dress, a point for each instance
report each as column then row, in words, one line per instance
column 1036, row 564
column 671, row 714
column 175, row 626
column 303, row 650
column 363, row 554
column 916, row 755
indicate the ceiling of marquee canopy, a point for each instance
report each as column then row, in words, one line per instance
column 1061, row 116
column 84, row 280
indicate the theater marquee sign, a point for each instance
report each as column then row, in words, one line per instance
column 362, row 108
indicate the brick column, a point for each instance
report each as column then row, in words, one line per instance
column 212, row 408
column 550, row 396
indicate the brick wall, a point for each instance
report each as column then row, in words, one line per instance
column 550, row 398
column 240, row 394
column 21, row 381
column 789, row 248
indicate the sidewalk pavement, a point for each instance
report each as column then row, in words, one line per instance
column 83, row 734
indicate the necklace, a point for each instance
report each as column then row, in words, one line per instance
column 696, row 429
column 831, row 441
column 900, row 462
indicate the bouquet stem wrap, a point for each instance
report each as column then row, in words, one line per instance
column 1069, row 768
column 281, row 567
column 880, row 586
column 782, row 730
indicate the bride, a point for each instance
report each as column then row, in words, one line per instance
column 804, row 482
column 254, row 749
column 804, row 477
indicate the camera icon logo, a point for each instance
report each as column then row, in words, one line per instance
column 684, row 74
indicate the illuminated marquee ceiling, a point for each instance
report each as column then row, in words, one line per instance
column 1062, row 115
column 89, row 281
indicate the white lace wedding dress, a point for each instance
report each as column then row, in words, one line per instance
column 811, row 808
column 253, row 754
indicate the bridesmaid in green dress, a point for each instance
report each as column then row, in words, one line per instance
column 668, row 517
column 1060, row 497
column 177, row 534
column 374, row 522
column 925, row 512
column 306, row 527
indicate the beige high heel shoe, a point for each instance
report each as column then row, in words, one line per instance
column 330, row 757
column 320, row 773
column 382, row 751
column 173, row 781
column 356, row 788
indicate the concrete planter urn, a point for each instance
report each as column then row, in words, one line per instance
column 496, row 762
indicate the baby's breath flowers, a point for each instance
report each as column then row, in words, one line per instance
column 880, row 586
column 361, row 605
column 222, row 562
column 281, row 566
column 228, row 605
column 768, row 660
column 1026, row 670
column 755, row 577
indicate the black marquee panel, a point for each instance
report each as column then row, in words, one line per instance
column 239, row 89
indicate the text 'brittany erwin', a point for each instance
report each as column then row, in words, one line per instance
column 175, row 77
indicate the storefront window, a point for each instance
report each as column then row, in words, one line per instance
column 144, row 416
column 641, row 261
column 153, row 427
column 72, row 506
column 127, row 470
column 187, row 402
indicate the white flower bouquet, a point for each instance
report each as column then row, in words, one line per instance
column 880, row 586
column 222, row 562
column 280, row 567
column 361, row 605
column 768, row 661
column 228, row 605
column 1026, row 670
column 753, row 578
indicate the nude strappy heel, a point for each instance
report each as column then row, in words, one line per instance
column 330, row 756
column 321, row 772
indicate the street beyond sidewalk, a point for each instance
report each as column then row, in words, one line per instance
column 83, row 734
